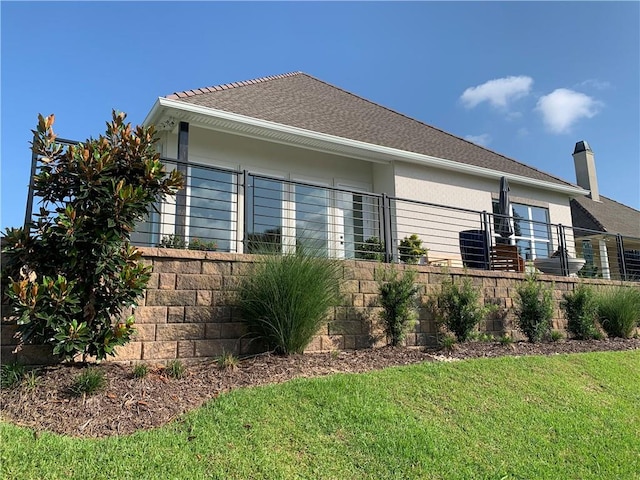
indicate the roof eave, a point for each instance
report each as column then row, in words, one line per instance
column 262, row 129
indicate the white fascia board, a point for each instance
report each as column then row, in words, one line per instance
column 263, row 129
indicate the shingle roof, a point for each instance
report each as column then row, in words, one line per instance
column 605, row 216
column 300, row 100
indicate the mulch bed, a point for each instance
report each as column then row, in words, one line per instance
column 129, row 404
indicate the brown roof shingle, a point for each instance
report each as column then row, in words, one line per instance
column 605, row 216
column 300, row 100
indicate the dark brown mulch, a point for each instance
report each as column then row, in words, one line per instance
column 129, row 404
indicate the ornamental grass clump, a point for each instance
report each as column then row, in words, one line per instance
column 534, row 309
column 619, row 310
column 398, row 295
column 459, row 309
column 581, row 310
column 285, row 298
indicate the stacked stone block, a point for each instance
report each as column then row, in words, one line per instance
column 187, row 311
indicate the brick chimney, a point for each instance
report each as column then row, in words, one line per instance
column 586, row 169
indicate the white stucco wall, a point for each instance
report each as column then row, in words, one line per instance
column 209, row 147
column 438, row 227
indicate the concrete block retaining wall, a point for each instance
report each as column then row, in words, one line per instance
column 187, row 311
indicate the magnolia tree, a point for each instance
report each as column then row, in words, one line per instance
column 72, row 275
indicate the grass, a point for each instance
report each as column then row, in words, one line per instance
column 566, row 416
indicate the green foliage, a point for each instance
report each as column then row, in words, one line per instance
column 398, row 295
column 411, row 249
column 371, row 249
column 458, row 307
column 140, row 370
column 11, row 374
column 284, row 299
column 70, row 278
column 448, row 342
column 619, row 310
column 534, row 308
column 91, row 380
column 506, row 339
column 581, row 310
column 176, row 369
column 556, row 336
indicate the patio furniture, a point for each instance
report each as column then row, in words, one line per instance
column 505, row 258
column 472, row 248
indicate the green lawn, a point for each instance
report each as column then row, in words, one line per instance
column 560, row 417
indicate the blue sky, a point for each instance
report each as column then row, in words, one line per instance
column 527, row 80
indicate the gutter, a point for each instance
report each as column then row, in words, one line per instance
column 262, row 129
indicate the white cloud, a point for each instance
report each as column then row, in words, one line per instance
column 498, row 92
column 483, row 139
column 563, row 107
column 595, row 83
column 522, row 132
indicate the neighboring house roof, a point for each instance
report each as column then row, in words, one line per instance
column 302, row 101
column 605, row 216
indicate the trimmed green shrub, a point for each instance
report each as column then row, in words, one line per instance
column 458, row 307
column 285, row 298
column 91, row 380
column 581, row 309
column 70, row 281
column 534, row 309
column 411, row 249
column 619, row 310
column 398, row 295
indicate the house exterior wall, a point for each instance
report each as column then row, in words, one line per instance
column 442, row 187
column 210, row 147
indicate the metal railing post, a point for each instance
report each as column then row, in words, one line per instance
column 28, row 214
column 564, row 255
column 386, row 228
column 486, row 226
column 181, row 196
column 247, row 209
column 621, row 260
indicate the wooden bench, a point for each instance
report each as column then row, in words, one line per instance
column 505, row 258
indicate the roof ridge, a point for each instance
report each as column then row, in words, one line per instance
column 589, row 214
column 438, row 129
column 228, row 86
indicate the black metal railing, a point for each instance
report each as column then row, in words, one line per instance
column 230, row 211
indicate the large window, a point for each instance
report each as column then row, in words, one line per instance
column 283, row 216
column 530, row 230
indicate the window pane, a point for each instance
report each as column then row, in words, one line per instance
column 520, row 226
column 312, row 222
column 265, row 209
column 212, row 196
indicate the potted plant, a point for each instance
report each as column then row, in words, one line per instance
column 411, row 249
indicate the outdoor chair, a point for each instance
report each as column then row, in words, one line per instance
column 505, row 258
